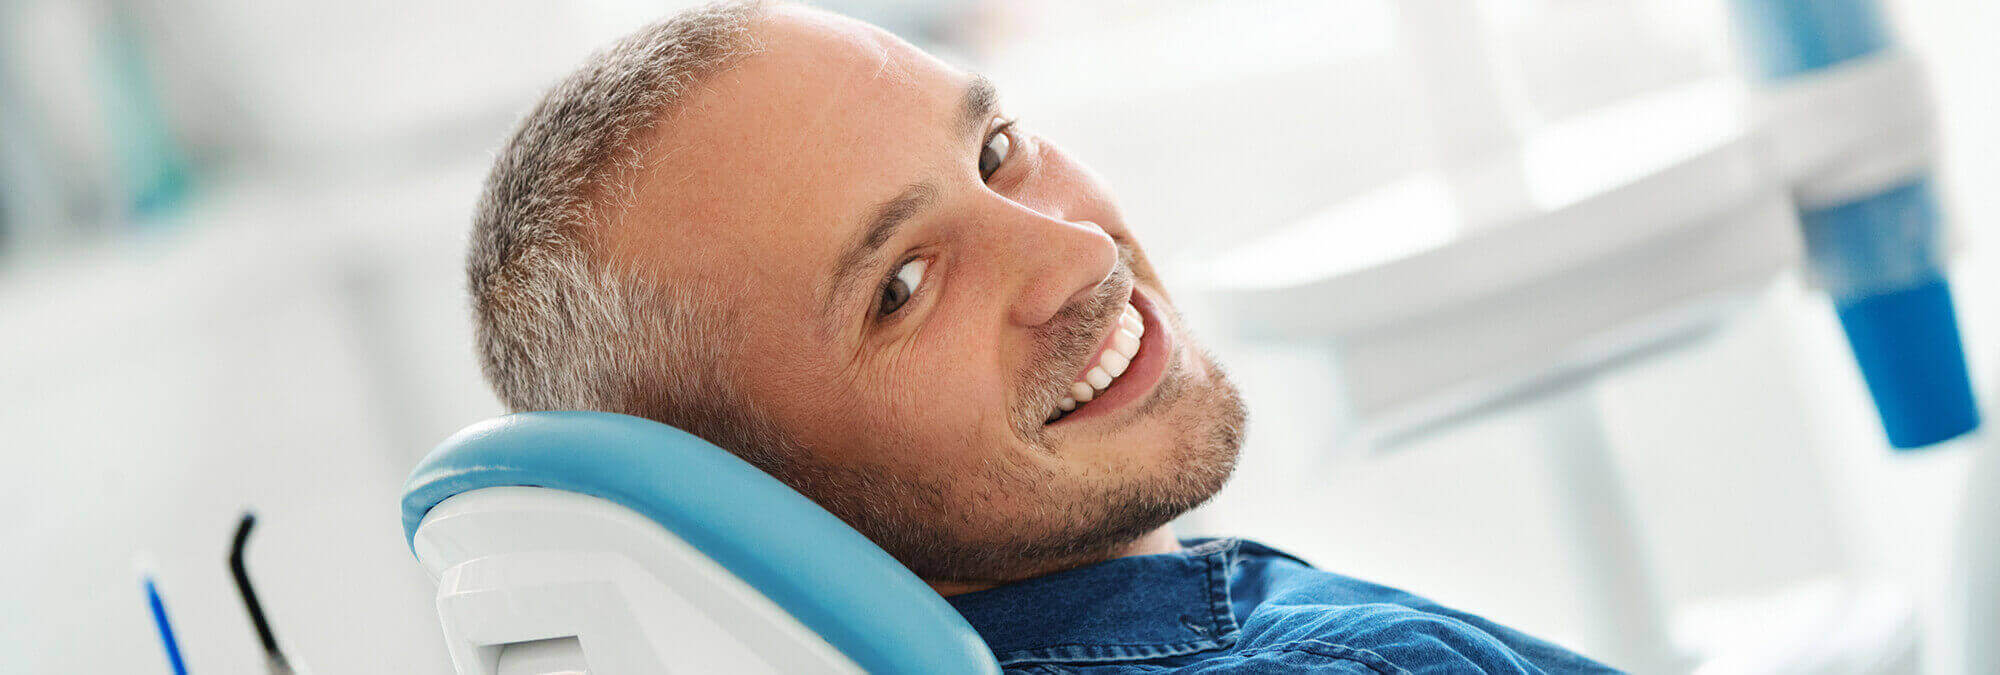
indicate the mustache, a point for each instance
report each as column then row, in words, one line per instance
column 1062, row 347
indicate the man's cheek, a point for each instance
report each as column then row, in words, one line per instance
column 968, row 400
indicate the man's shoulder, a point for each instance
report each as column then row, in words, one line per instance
column 1227, row 607
column 1303, row 612
column 1358, row 639
column 1384, row 637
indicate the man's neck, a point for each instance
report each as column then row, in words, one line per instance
column 1156, row 542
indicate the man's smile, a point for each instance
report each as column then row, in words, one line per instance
column 1128, row 365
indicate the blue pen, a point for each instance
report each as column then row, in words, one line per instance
column 166, row 627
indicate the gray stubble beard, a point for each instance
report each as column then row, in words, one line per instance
column 1081, row 525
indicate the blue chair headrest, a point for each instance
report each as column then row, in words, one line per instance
column 833, row 580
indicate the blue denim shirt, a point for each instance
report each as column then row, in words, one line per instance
column 1232, row 606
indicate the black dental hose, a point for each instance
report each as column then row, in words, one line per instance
column 274, row 659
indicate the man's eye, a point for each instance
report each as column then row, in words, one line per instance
column 898, row 288
column 994, row 154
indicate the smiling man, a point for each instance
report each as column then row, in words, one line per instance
column 814, row 245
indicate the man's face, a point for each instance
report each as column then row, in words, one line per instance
column 915, row 288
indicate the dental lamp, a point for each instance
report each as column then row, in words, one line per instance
column 1525, row 263
column 1850, row 126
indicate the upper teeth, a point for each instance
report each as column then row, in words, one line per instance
column 1111, row 362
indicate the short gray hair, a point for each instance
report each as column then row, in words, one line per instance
column 557, row 327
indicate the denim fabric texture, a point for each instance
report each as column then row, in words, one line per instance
column 1234, row 606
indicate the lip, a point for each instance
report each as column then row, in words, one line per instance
column 1140, row 378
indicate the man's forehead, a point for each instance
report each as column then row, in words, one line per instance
column 803, row 31
column 772, row 162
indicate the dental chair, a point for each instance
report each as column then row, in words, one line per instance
column 586, row 542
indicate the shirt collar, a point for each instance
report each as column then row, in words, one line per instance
column 1139, row 607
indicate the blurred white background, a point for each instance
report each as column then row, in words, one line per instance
column 230, row 242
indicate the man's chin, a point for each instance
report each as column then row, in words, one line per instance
column 986, row 523
column 1197, row 429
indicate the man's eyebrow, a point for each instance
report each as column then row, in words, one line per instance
column 882, row 224
column 979, row 103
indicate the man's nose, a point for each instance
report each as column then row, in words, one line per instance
column 1052, row 262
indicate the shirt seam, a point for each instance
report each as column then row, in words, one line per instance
column 1040, row 655
column 1221, row 616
